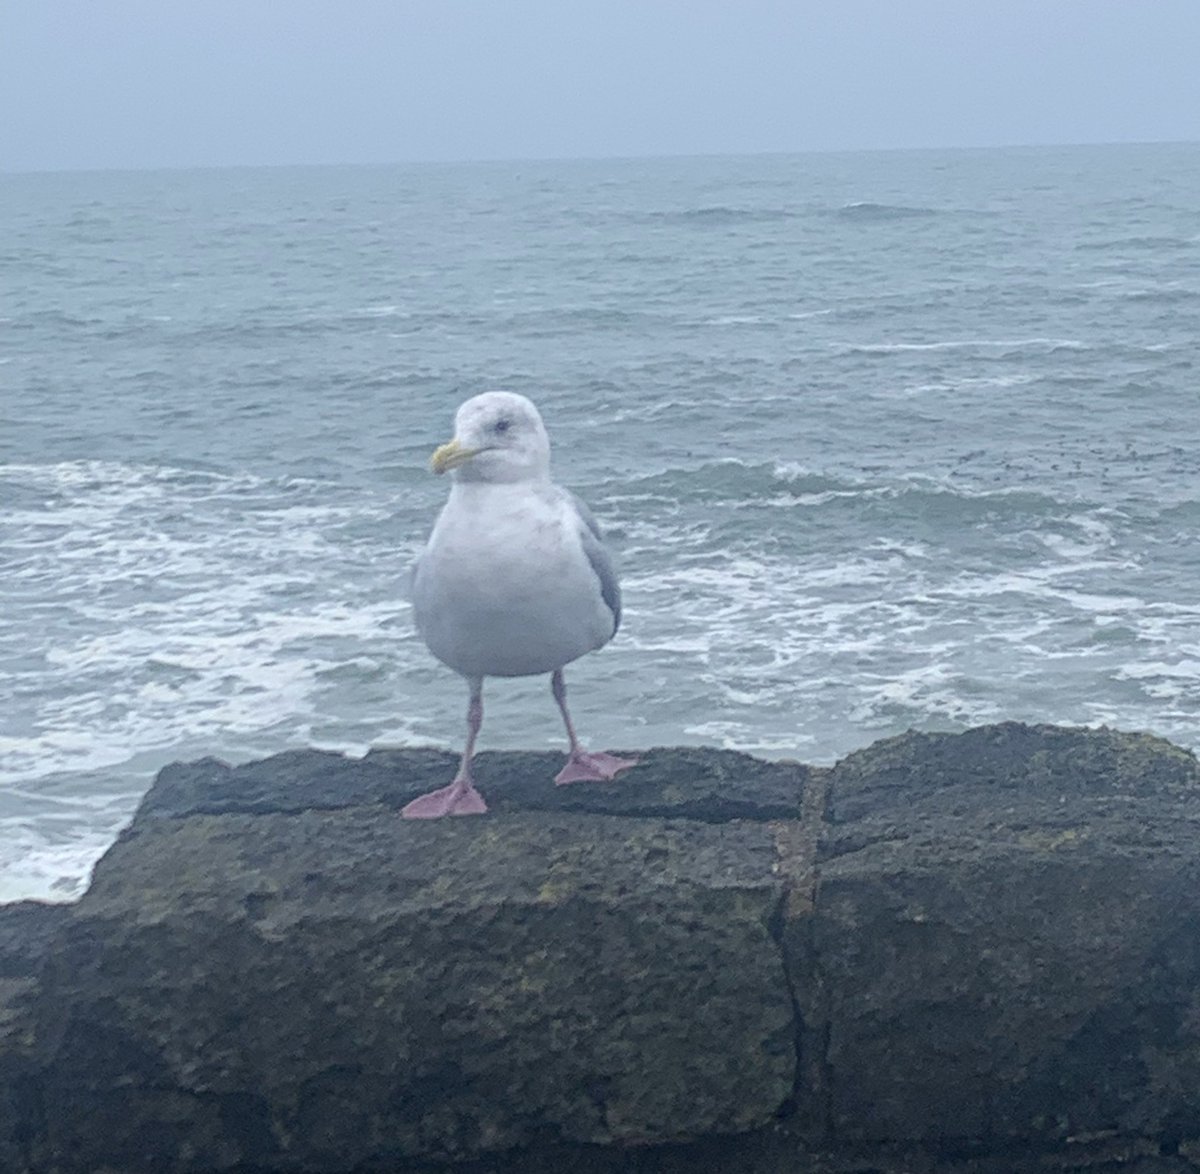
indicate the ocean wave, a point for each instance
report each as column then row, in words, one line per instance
column 738, row 320
column 937, row 505
column 157, row 606
column 52, row 320
column 379, row 311
column 867, row 210
column 275, row 324
column 56, row 867
column 1010, row 346
column 1150, row 243
column 1168, row 295
column 970, row 384
column 732, row 479
column 718, row 215
column 726, row 489
column 878, row 634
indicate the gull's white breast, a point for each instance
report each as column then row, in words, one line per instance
column 504, row 587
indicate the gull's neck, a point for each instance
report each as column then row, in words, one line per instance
column 521, row 478
column 476, row 489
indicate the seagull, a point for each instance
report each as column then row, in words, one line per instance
column 514, row 581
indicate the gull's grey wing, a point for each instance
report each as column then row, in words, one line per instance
column 598, row 556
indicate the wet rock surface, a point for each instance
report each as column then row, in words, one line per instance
column 973, row 952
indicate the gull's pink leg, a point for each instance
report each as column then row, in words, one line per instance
column 460, row 797
column 582, row 766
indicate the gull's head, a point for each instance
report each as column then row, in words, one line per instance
column 498, row 436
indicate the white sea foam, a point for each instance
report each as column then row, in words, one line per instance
column 381, row 311
column 32, row 865
column 967, row 384
column 162, row 612
column 153, row 609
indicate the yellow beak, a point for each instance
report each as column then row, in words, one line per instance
column 450, row 455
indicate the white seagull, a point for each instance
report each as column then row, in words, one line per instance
column 514, row 580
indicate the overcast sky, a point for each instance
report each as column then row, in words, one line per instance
column 163, row 83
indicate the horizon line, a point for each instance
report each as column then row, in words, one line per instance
column 603, row 158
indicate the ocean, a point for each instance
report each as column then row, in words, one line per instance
column 880, row 440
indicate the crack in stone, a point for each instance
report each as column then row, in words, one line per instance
column 796, row 845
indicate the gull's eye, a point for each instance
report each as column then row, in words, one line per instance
column 501, row 426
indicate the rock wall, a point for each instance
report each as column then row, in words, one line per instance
column 949, row 952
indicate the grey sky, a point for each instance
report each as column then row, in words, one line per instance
column 152, row 83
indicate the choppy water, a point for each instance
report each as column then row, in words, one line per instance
column 882, row 440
